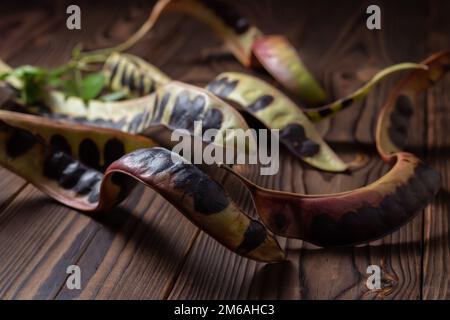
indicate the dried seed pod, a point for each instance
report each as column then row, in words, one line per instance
column 393, row 122
column 28, row 148
column 246, row 42
column 277, row 111
column 174, row 105
column 370, row 212
column 132, row 74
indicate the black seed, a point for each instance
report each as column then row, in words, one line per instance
column 260, row 103
column 58, row 142
column 87, row 181
column 55, row 163
column 71, row 175
column 89, row 154
column 114, row 149
column 20, row 142
column 94, row 195
column 254, row 236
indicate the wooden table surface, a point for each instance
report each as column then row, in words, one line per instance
column 145, row 249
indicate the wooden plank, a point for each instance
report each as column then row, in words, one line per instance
column 436, row 256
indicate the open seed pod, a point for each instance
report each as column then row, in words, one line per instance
column 93, row 169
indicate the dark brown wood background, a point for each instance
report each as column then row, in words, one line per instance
column 146, row 250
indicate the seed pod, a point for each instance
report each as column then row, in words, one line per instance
column 370, row 212
column 393, row 122
column 246, row 42
column 174, row 105
column 277, row 111
column 28, row 149
column 132, row 74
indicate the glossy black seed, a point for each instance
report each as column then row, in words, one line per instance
column 87, row 181
column 254, row 236
column 55, row 163
column 71, row 175
column 58, row 142
column 113, row 150
column 260, row 103
column 94, row 195
column 89, row 154
column 19, row 142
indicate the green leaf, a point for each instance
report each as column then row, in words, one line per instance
column 91, row 86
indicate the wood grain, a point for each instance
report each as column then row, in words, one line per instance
column 145, row 249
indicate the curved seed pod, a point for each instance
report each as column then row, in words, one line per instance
column 331, row 109
column 277, row 111
column 281, row 60
column 370, row 212
column 393, row 122
column 95, row 147
column 136, row 76
column 234, row 29
column 246, row 42
column 175, row 105
column 352, row 217
column 79, row 186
